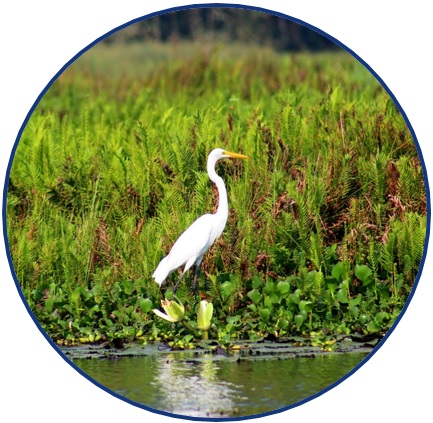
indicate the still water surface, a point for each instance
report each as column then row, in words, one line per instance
column 180, row 384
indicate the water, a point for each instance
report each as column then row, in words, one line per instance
column 179, row 383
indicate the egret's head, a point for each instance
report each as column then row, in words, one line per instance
column 220, row 153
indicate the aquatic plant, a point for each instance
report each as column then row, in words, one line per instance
column 174, row 312
column 204, row 317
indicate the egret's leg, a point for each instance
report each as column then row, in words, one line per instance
column 178, row 282
column 188, row 266
column 196, row 274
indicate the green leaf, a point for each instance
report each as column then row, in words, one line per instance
column 363, row 319
column 332, row 284
column 188, row 338
column 373, row 326
column 283, row 287
column 269, row 288
column 227, row 288
column 306, row 306
column 304, row 314
column 234, row 320
column 268, row 302
column 364, row 274
column 257, row 281
column 145, row 305
column 342, row 296
column 49, row 304
column 356, row 300
column 381, row 316
column 294, row 298
column 338, row 271
column 254, row 296
column 76, row 295
column 353, row 310
column 265, row 313
column 252, row 307
column 299, row 319
column 282, row 323
column 128, row 287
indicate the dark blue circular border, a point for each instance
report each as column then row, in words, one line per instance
column 216, row 5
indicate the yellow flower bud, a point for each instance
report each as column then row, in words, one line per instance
column 204, row 315
column 174, row 312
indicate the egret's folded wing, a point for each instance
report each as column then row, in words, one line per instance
column 193, row 242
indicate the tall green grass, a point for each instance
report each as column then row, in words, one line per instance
column 111, row 168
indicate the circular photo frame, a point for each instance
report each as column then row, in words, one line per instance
column 316, row 200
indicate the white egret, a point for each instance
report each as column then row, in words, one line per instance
column 196, row 240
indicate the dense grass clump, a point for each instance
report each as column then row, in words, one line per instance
column 327, row 217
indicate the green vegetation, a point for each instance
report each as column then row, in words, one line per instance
column 327, row 217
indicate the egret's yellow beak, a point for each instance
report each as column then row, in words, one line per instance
column 235, row 155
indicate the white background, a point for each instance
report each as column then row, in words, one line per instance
column 38, row 38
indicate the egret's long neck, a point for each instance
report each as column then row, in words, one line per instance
column 223, row 207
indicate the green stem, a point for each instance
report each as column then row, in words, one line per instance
column 205, row 335
column 190, row 328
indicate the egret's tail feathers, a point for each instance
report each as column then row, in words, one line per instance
column 161, row 272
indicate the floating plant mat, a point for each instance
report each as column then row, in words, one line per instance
column 291, row 347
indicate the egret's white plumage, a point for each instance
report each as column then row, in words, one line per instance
column 196, row 240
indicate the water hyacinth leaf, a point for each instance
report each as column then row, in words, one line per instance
column 254, row 296
column 342, row 296
column 128, row 287
column 257, row 282
column 363, row 318
column 354, row 310
column 294, row 298
column 381, row 316
column 269, row 288
column 304, row 314
column 306, row 306
column 299, row 319
column 356, row 300
column 49, row 304
column 338, row 271
column 332, row 284
column 252, row 307
column 283, row 287
column 265, row 313
column 188, row 338
column 234, row 320
column 86, row 330
column 145, row 305
column 268, row 302
column 372, row 326
column 364, row 274
column 283, row 323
